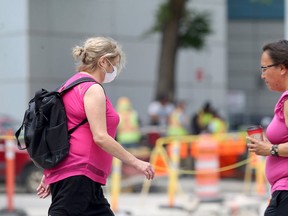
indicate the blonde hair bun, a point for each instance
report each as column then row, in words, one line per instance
column 77, row 52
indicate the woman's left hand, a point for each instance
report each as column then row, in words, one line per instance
column 259, row 147
column 146, row 168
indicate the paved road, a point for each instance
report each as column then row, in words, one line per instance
column 234, row 203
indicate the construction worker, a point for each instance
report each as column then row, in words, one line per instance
column 128, row 133
column 201, row 119
column 178, row 126
column 216, row 124
column 178, row 122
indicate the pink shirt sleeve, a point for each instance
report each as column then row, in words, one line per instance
column 279, row 108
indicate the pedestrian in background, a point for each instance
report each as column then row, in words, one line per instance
column 178, row 125
column 178, row 122
column 160, row 110
column 201, row 119
column 274, row 66
column 76, row 182
column 217, row 124
column 128, row 131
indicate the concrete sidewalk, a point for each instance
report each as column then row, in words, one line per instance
column 156, row 205
column 234, row 203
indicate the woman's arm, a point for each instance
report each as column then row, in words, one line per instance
column 264, row 147
column 95, row 108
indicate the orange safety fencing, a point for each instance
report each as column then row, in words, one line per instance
column 216, row 155
column 230, row 148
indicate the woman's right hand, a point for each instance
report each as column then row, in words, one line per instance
column 43, row 189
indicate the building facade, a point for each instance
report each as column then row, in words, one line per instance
column 251, row 24
column 36, row 41
column 37, row 38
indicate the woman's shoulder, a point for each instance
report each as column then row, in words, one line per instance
column 279, row 107
column 282, row 98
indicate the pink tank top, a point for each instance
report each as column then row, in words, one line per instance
column 277, row 133
column 85, row 157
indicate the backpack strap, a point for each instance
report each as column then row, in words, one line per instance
column 77, row 82
column 70, row 86
column 74, row 128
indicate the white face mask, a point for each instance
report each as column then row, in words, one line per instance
column 109, row 77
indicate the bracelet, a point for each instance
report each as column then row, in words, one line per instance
column 274, row 150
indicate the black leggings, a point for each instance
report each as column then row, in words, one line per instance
column 278, row 205
column 78, row 195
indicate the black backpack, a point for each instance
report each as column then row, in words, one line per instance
column 46, row 135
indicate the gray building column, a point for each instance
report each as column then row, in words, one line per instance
column 14, row 57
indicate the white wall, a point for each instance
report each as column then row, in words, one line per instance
column 212, row 60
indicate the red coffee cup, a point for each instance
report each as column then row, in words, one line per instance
column 256, row 131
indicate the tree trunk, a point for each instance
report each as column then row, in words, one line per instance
column 166, row 73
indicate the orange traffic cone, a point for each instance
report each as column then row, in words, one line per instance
column 160, row 165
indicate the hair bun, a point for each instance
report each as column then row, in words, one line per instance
column 78, row 52
column 81, row 50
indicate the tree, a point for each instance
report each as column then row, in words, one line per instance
column 180, row 28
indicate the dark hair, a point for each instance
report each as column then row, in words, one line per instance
column 278, row 51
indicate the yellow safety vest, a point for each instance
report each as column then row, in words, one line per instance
column 175, row 127
column 128, row 129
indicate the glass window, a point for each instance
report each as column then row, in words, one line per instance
column 255, row 9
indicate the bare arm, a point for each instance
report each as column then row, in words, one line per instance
column 263, row 147
column 95, row 108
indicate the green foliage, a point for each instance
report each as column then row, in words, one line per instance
column 162, row 16
column 194, row 26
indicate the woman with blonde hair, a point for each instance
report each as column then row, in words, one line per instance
column 75, row 183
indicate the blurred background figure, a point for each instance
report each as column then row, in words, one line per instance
column 201, row 119
column 128, row 133
column 217, row 124
column 178, row 125
column 160, row 110
column 178, row 122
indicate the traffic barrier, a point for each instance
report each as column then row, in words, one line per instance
column 256, row 165
column 161, row 168
column 10, row 146
column 10, row 170
column 206, row 155
column 207, row 163
column 183, row 150
column 115, row 183
column 173, row 174
column 231, row 147
column 161, row 160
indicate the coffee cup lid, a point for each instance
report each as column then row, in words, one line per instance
column 254, row 127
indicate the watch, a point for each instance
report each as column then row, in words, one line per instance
column 274, row 150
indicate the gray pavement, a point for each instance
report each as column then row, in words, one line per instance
column 155, row 203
